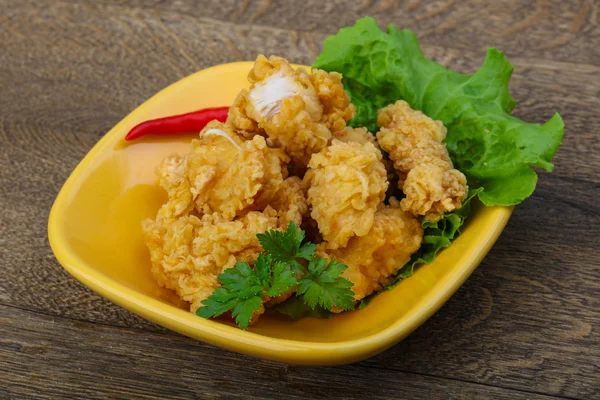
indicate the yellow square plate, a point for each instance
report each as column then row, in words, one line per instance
column 95, row 233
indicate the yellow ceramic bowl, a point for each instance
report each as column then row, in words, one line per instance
column 95, row 233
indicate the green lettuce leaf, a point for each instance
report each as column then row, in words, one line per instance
column 493, row 149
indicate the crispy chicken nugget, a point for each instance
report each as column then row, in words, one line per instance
column 375, row 257
column 238, row 119
column 223, row 174
column 188, row 253
column 221, row 194
column 337, row 109
column 296, row 110
column 173, row 177
column 414, row 142
column 347, row 182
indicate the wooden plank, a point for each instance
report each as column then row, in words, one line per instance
column 549, row 29
column 47, row 357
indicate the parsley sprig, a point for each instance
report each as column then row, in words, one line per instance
column 322, row 285
column 287, row 247
column 287, row 264
column 243, row 289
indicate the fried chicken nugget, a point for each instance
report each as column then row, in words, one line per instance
column 347, row 182
column 337, row 109
column 362, row 135
column 238, row 119
column 374, row 258
column 222, row 174
column 229, row 175
column 296, row 110
column 414, row 142
column 221, row 194
column 188, row 253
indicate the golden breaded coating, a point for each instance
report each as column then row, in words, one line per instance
column 290, row 202
column 221, row 194
column 238, row 119
column 292, row 130
column 173, row 177
column 347, row 182
column 285, row 104
column 337, row 109
column 296, row 110
column 188, row 253
column 360, row 135
column 414, row 142
column 229, row 175
column 374, row 258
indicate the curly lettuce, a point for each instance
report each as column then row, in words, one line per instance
column 493, row 149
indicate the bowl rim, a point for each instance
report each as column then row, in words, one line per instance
column 230, row 337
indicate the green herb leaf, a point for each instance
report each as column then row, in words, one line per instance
column 287, row 247
column 320, row 285
column 323, row 285
column 220, row 301
column 283, row 280
column 243, row 289
column 241, row 279
column 275, row 273
column 307, row 251
column 262, row 269
column 493, row 149
column 296, row 308
column 244, row 309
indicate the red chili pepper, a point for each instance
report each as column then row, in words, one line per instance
column 176, row 124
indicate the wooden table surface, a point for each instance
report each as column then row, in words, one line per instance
column 525, row 325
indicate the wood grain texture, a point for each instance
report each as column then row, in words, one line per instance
column 525, row 324
column 552, row 29
column 95, row 362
